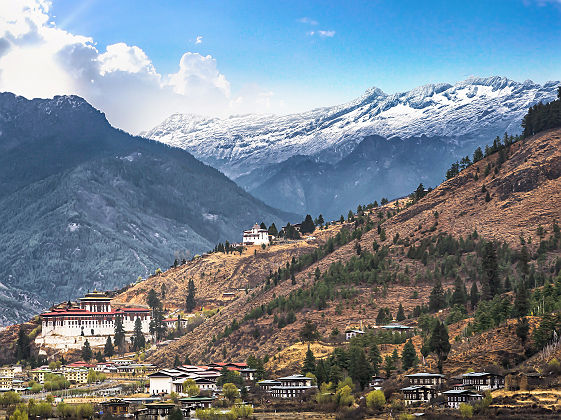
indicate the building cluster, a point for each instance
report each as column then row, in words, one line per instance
column 256, row 236
column 294, row 386
column 92, row 318
column 467, row 388
column 166, row 381
column 12, row 378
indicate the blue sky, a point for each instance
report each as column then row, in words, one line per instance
column 141, row 61
column 395, row 45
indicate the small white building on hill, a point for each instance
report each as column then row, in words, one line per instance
column 256, row 236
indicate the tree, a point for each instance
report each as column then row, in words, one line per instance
column 119, row 337
column 87, row 351
column 175, row 414
column 163, row 291
column 307, row 225
column 108, row 350
column 191, row 388
column 309, row 332
column 230, row 391
column 375, row 359
column 491, row 284
column 321, row 222
column 409, row 357
column 477, row 155
column 376, row 399
column 23, row 345
column 400, row 313
column 359, row 368
column 439, row 343
column 437, row 300
column 309, row 362
column 138, row 336
column 176, row 361
column 263, row 226
column 474, row 295
column 152, row 298
column 522, row 329
column 521, row 301
column 466, row 410
column 273, row 230
column 190, row 301
column 389, row 365
column 459, row 296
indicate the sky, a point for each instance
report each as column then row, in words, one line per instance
column 140, row 61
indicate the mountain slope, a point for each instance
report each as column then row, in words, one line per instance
column 84, row 205
column 524, row 194
column 439, row 123
column 475, row 108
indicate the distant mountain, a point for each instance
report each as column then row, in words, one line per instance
column 256, row 150
column 84, row 205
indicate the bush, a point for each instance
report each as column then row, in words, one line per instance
column 375, row 400
column 406, row 416
column 344, row 397
column 242, row 411
column 466, row 410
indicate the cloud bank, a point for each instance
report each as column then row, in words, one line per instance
column 38, row 59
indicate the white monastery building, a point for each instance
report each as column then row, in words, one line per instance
column 256, row 236
column 92, row 319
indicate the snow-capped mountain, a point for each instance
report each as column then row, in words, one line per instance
column 474, row 110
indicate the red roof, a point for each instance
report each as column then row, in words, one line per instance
column 83, row 312
column 80, row 364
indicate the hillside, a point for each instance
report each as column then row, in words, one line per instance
column 524, row 193
column 285, row 160
column 84, row 205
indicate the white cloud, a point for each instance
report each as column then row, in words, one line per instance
column 37, row 59
column 308, row 21
column 199, row 39
column 326, row 34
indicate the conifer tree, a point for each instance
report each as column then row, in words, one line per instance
column 309, row 365
column 307, row 225
column 437, row 299
column 521, row 301
column 138, row 336
column 273, row 230
column 375, row 358
column 187, row 360
column 190, row 302
column 119, row 336
column 458, row 296
column 108, row 350
column 409, row 357
column 440, row 343
column 400, row 313
column 23, row 346
column 491, row 284
column 474, row 295
column 389, row 365
column 359, row 368
column 87, row 353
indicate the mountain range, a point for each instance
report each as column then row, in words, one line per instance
column 85, row 205
column 300, row 162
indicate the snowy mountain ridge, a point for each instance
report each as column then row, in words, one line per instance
column 477, row 108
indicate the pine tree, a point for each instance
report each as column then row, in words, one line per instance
column 437, row 299
column 87, row 353
column 491, row 284
column 108, row 350
column 23, row 346
column 409, row 357
column 187, row 360
column 389, row 365
column 375, row 359
column 359, row 368
column 522, row 329
column 458, row 296
column 176, row 361
column 440, row 343
column 190, row 302
column 309, row 365
column 263, row 225
column 273, row 230
column 474, row 295
column 119, row 337
column 138, row 336
column 307, row 225
column 400, row 313
column 152, row 298
column 521, row 301
column 321, row 222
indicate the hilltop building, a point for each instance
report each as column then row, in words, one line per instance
column 256, row 236
column 92, row 319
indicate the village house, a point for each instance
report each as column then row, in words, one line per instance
column 266, row 384
column 92, row 319
column 293, row 386
column 256, row 236
column 10, row 371
column 155, row 411
column 376, row 382
column 77, row 375
column 418, row 394
column 189, row 404
column 350, row 333
column 455, row 397
column 115, row 407
column 434, row 380
column 482, row 381
column 38, row 374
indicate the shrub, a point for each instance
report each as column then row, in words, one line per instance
column 406, row 416
column 466, row 410
column 344, row 397
column 375, row 399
